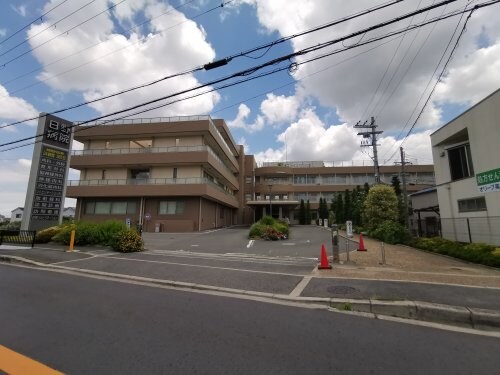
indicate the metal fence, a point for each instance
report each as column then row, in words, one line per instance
column 472, row 229
column 18, row 237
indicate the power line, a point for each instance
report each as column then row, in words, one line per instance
column 221, row 61
column 95, row 45
column 32, row 22
column 246, row 53
column 63, row 33
column 442, row 71
column 409, row 65
column 387, row 69
column 256, row 68
column 47, row 28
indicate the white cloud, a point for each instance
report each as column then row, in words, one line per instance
column 350, row 86
column 240, row 120
column 21, row 9
column 140, row 58
column 309, row 139
column 13, row 185
column 279, row 108
column 14, row 109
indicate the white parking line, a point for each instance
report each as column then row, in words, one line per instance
column 210, row 267
column 250, row 244
column 300, row 286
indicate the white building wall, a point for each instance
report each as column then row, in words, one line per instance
column 480, row 127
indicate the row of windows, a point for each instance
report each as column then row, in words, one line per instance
column 124, row 208
column 110, row 208
column 342, row 179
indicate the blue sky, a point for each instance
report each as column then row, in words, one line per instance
column 78, row 55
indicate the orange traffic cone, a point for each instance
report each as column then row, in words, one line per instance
column 324, row 260
column 361, row 243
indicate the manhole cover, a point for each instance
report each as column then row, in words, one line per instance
column 342, row 289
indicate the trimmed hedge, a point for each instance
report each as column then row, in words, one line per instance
column 475, row 252
column 390, row 232
column 46, row 235
column 127, row 241
column 88, row 233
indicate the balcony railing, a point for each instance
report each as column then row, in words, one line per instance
column 128, row 151
column 145, row 120
column 150, row 181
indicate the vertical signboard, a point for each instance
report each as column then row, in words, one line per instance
column 44, row 203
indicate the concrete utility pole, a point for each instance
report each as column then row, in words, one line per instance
column 403, row 180
column 371, row 135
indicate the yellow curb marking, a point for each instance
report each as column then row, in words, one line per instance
column 17, row 364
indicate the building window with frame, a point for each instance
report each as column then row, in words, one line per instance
column 472, row 204
column 171, row 208
column 248, row 180
column 460, row 162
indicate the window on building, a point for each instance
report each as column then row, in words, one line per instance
column 472, row 204
column 139, row 174
column 110, row 208
column 174, row 173
column 18, row 216
column 103, row 174
column 177, row 141
column 102, row 208
column 171, row 208
column 248, row 197
column 248, row 180
column 460, row 162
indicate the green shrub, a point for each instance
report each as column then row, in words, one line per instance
column 267, row 220
column 127, row 241
column 257, row 230
column 270, row 229
column 391, row 232
column 87, row 233
column 45, row 235
column 475, row 252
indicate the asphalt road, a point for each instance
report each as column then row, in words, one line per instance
column 81, row 325
column 305, row 241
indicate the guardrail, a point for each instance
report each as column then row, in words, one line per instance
column 18, row 237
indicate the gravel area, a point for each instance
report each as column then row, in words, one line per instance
column 406, row 263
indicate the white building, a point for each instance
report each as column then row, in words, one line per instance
column 467, row 170
column 16, row 214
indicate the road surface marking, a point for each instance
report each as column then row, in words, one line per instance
column 250, row 243
column 76, row 260
column 203, row 266
column 14, row 363
column 300, row 286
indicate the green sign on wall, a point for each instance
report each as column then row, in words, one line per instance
column 488, row 181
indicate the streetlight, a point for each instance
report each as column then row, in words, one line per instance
column 270, row 201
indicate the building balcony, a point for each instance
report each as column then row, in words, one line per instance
column 154, row 156
column 151, row 187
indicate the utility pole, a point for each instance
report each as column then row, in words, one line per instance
column 403, row 180
column 371, row 141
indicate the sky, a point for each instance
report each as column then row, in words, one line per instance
column 59, row 53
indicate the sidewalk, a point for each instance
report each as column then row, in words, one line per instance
column 412, row 284
column 409, row 264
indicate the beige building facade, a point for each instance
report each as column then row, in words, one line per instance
column 187, row 174
column 465, row 152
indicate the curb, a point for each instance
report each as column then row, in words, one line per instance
column 476, row 318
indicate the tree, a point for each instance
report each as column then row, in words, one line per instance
column 347, row 205
column 396, row 185
column 302, row 213
column 323, row 209
column 380, row 205
column 339, row 209
column 308, row 213
column 356, row 205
